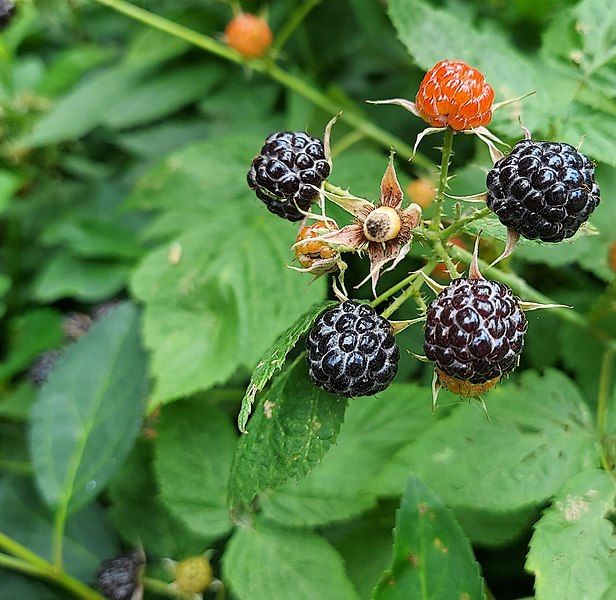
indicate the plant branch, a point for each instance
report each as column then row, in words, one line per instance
column 461, row 223
column 412, row 289
column 294, row 21
column 26, row 561
column 435, row 223
column 269, row 68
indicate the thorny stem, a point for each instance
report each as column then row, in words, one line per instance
column 294, row 21
column 460, row 224
column 26, row 561
column 439, row 248
column 411, row 290
column 269, row 68
column 435, row 223
column 605, row 387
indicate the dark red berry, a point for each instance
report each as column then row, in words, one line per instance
column 118, row 578
column 543, row 190
column 288, row 172
column 475, row 330
column 352, row 351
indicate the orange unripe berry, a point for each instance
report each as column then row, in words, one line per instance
column 250, row 35
column 311, row 251
column 454, row 94
column 421, row 191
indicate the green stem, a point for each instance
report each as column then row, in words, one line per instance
column 58, row 534
column 605, row 387
column 26, row 561
column 412, row 289
column 442, row 254
column 460, row 224
column 267, row 67
column 347, row 141
column 435, row 223
column 160, row 587
column 294, row 21
column 15, row 467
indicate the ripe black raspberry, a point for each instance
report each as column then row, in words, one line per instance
column 475, row 330
column 42, row 367
column 7, row 12
column 285, row 174
column 352, row 351
column 543, row 190
column 118, row 578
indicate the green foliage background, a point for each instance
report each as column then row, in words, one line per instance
column 123, row 155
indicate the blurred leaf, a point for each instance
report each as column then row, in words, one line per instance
column 18, row 587
column 88, row 537
column 15, row 403
column 342, row 485
column 140, row 516
column 93, row 239
column 31, row 333
column 162, row 95
column 573, row 546
column 540, row 434
column 9, row 184
column 89, row 411
column 290, row 431
column 67, row 277
column 194, row 450
column 596, row 129
column 270, row 563
column 432, row 559
column 274, row 358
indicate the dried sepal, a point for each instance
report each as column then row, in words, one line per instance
column 473, row 271
column 360, row 208
column 327, row 139
column 513, row 237
column 473, row 198
column 436, row 388
column 530, row 306
column 436, row 287
column 499, row 105
column 406, row 104
column 391, row 192
column 400, row 326
column 426, row 132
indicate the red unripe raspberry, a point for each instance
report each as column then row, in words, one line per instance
column 249, row 35
column 455, row 94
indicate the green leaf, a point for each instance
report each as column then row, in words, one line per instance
column 573, row 547
column 30, row 334
column 140, row 516
column 596, row 129
column 88, row 413
column 93, row 239
column 88, row 537
column 9, row 184
column 432, row 559
column 67, row 277
column 17, row 587
column 273, row 360
column 163, row 94
column 194, row 450
column 204, row 319
column 539, row 435
column 342, row 486
column 290, row 432
column 271, row 563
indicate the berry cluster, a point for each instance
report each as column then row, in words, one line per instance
column 352, row 351
column 118, row 578
column 454, row 94
column 288, row 172
column 543, row 190
column 475, row 330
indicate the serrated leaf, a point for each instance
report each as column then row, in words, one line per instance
column 139, row 515
column 290, row 432
column 194, row 449
column 273, row 360
column 88, row 413
column 271, row 563
column 88, row 537
column 342, row 486
column 539, row 435
column 432, row 559
column 573, row 547
column 223, row 312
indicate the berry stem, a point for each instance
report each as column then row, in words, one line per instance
column 294, row 21
column 605, row 388
column 435, row 222
column 439, row 248
column 160, row 587
column 460, row 224
column 351, row 115
column 26, row 561
column 416, row 282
